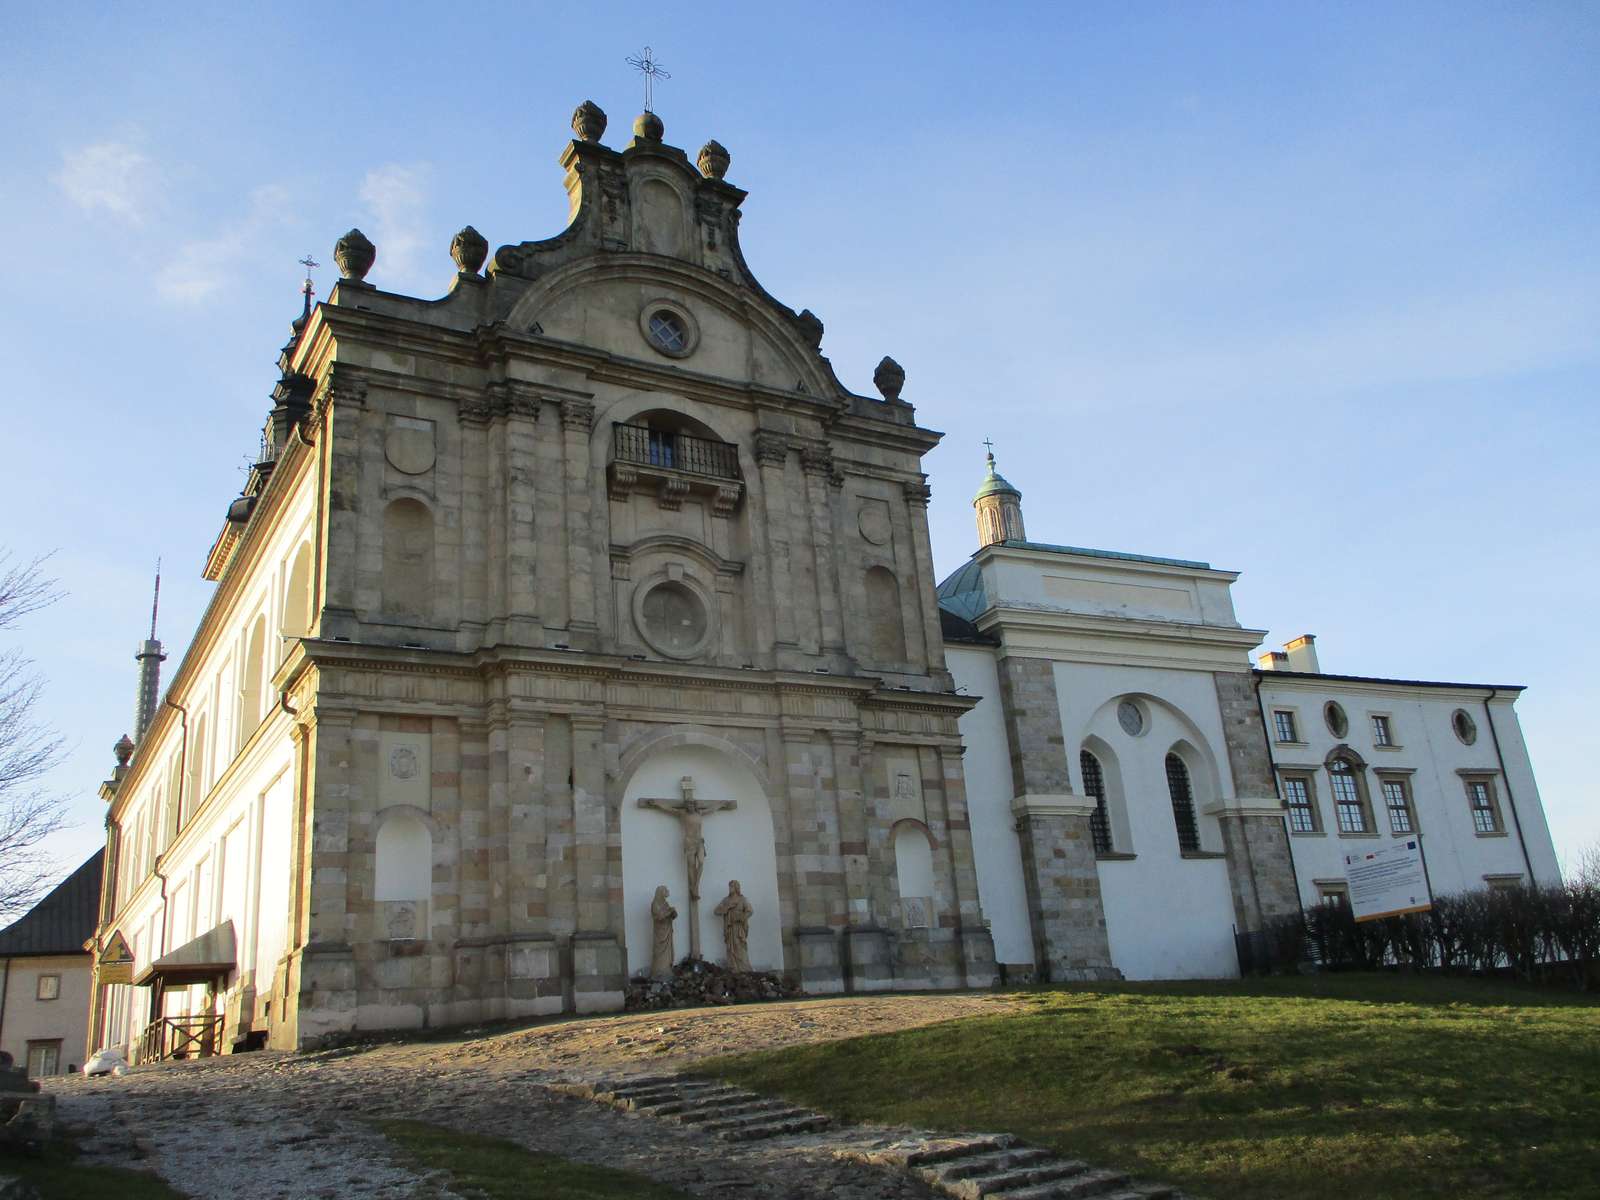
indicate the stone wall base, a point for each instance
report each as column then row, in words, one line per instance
column 821, row 966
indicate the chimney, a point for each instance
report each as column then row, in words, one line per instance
column 1273, row 660
column 1302, row 654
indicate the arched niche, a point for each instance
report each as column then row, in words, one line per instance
column 886, row 635
column 739, row 845
column 913, row 866
column 296, row 620
column 250, row 700
column 402, row 883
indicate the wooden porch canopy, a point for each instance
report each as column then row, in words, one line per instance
column 207, row 959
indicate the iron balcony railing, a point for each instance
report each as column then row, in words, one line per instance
column 677, row 451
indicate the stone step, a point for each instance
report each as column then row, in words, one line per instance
column 805, row 1123
column 710, row 1115
column 944, row 1153
column 702, row 1101
column 681, row 1087
column 1054, row 1171
column 663, row 1100
column 1084, row 1183
column 985, row 1163
column 765, row 1116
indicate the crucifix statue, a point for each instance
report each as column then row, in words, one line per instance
column 691, row 814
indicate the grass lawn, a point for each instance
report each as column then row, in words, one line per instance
column 494, row 1169
column 1339, row 1086
column 54, row 1176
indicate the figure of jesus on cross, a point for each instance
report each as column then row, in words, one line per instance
column 691, row 814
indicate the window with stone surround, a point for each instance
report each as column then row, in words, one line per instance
column 49, row 988
column 1300, row 801
column 1382, row 731
column 1485, row 806
column 1397, row 802
column 1284, row 725
column 1349, row 799
column 1182, row 793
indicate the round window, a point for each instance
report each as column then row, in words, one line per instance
column 1466, row 728
column 667, row 332
column 1338, row 723
column 1130, row 718
column 674, row 619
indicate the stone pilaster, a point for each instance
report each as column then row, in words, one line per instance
column 772, row 455
column 851, row 800
column 599, row 965
column 577, row 424
column 818, row 465
column 1255, row 840
column 336, row 416
column 1060, row 874
column 927, row 605
column 520, row 561
column 977, row 944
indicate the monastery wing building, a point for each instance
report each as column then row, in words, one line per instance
column 591, row 579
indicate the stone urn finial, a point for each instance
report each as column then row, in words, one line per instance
column 589, row 121
column 889, row 378
column 714, row 159
column 469, row 248
column 648, row 127
column 355, row 255
column 123, row 750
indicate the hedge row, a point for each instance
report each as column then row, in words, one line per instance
column 1546, row 934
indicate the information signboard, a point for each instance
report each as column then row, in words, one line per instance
column 116, row 961
column 1387, row 881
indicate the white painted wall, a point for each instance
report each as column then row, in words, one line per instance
column 1420, row 719
column 987, row 766
column 739, row 845
column 27, row 1018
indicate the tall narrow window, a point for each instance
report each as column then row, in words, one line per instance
column 1398, row 802
column 1382, row 735
column 1347, row 797
column 1283, row 722
column 1297, row 797
column 1094, row 784
column 1182, row 804
column 1485, row 812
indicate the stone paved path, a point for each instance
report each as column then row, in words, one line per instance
column 273, row 1125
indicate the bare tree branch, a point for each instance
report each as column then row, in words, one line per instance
column 29, row 813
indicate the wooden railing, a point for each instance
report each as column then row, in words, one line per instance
column 678, row 451
column 198, row 1036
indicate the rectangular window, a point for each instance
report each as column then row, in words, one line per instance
column 44, row 1058
column 1283, row 721
column 1398, row 802
column 1297, row 796
column 1347, row 801
column 1334, row 895
column 1485, row 812
column 49, row 987
column 1381, row 733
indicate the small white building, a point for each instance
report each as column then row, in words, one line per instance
column 1212, row 797
column 45, row 973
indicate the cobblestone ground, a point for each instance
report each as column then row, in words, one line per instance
column 273, row 1125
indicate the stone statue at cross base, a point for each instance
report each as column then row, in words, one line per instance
column 662, row 914
column 735, row 912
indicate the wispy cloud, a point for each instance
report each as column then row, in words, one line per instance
column 395, row 196
column 114, row 177
column 201, row 268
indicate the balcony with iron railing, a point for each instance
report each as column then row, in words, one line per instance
column 673, row 465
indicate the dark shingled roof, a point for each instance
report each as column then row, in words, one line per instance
column 63, row 920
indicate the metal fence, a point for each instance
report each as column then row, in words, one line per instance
column 678, row 451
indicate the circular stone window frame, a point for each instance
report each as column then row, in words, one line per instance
column 1336, row 719
column 691, row 327
column 1462, row 717
column 707, row 606
column 1127, row 703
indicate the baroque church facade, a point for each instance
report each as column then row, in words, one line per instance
column 591, row 578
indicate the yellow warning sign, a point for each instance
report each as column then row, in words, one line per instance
column 116, row 960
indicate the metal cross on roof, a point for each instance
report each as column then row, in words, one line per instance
column 989, row 442
column 652, row 71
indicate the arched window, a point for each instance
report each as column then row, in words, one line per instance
column 408, row 560
column 198, row 774
column 886, row 645
column 1349, row 801
column 250, row 683
column 1182, row 793
column 1094, row 784
column 297, row 595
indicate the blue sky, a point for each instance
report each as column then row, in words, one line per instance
column 1307, row 291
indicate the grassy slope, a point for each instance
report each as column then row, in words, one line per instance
column 1336, row 1087
column 494, row 1169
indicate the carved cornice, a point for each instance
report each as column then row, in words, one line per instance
column 577, row 415
column 918, row 493
column 817, row 460
column 342, row 385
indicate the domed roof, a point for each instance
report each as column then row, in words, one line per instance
column 995, row 483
